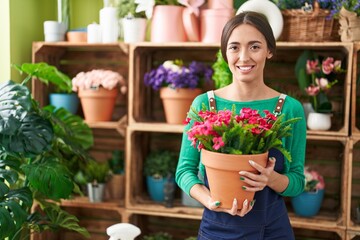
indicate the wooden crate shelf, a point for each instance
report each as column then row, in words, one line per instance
column 355, row 103
column 146, row 56
column 354, row 185
column 72, row 58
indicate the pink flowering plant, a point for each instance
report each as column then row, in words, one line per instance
column 313, row 180
column 247, row 132
column 99, row 78
column 317, row 79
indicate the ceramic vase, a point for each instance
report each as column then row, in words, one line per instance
column 220, row 4
column 95, row 192
column 177, row 103
column 155, row 187
column 64, row 100
column 308, row 204
column 167, row 24
column 134, row 29
column 222, row 172
column 319, row 121
column 98, row 104
column 212, row 21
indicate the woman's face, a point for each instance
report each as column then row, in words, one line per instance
column 247, row 52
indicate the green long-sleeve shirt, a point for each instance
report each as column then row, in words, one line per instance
column 189, row 161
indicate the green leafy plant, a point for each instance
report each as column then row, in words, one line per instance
column 160, row 163
column 222, row 75
column 36, row 146
column 126, row 8
column 116, row 162
column 158, row 236
column 97, row 172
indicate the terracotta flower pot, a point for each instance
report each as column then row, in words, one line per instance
column 98, row 104
column 222, row 171
column 177, row 103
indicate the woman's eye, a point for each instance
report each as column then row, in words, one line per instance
column 232, row 48
column 254, row 47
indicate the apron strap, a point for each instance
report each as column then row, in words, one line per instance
column 277, row 110
column 279, row 104
column 212, row 102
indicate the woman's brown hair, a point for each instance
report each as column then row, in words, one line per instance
column 257, row 20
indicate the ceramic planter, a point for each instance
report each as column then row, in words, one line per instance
column 156, row 187
column 134, row 29
column 68, row 101
column 98, row 104
column 167, row 24
column 319, row 121
column 177, row 103
column 95, row 192
column 308, row 204
column 222, row 171
column 212, row 21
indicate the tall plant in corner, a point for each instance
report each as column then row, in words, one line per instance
column 36, row 147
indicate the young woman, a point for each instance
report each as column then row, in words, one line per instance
column 247, row 42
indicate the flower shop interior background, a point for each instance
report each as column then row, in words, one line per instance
column 138, row 124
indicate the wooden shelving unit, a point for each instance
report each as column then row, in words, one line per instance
column 142, row 123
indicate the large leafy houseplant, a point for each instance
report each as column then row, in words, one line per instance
column 222, row 75
column 38, row 146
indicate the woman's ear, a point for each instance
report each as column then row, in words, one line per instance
column 269, row 55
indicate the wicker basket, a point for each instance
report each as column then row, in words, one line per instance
column 301, row 26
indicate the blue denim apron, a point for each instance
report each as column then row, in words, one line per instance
column 267, row 220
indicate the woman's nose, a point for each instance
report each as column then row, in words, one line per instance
column 243, row 55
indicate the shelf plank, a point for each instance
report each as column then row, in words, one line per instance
column 156, row 127
column 83, row 202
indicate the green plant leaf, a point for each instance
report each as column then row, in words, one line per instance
column 50, row 177
column 60, row 218
column 47, row 73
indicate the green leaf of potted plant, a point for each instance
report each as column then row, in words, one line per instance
column 35, row 145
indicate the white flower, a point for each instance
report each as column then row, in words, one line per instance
column 145, row 5
column 171, row 66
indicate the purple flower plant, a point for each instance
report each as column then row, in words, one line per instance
column 175, row 75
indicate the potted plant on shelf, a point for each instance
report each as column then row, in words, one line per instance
column 179, row 85
column 308, row 203
column 133, row 23
column 35, row 147
column 167, row 18
column 96, row 174
column 159, row 169
column 98, row 90
column 235, row 138
column 316, row 76
column 116, row 183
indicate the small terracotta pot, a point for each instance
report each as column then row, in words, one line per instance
column 212, row 21
column 222, row 171
column 177, row 103
column 98, row 104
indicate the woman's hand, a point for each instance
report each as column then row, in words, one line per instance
column 216, row 206
column 266, row 177
column 258, row 182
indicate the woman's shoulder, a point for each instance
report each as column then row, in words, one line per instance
column 293, row 105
